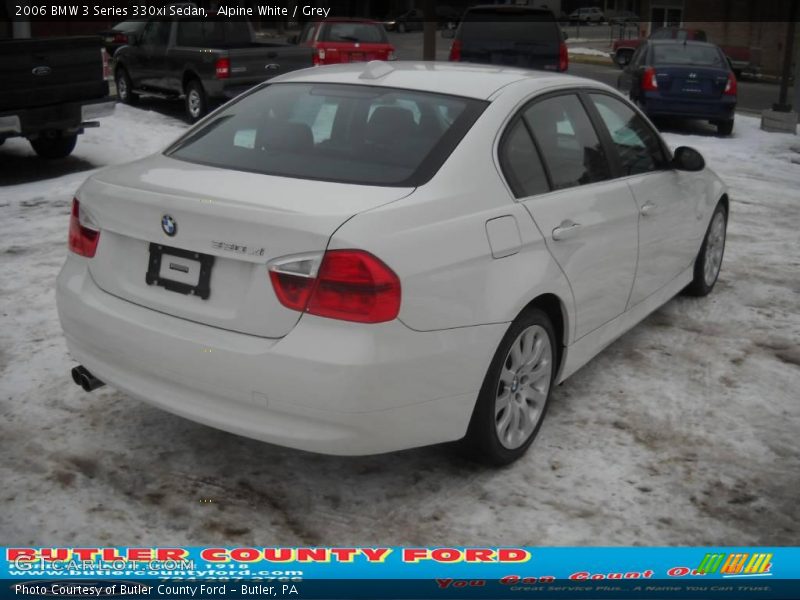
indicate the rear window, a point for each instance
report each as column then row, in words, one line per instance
column 521, row 27
column 354, row 32
column 346, row 133
column 213, row 33
column 688, row 54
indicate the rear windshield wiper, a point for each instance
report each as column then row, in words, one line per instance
column 348, row 38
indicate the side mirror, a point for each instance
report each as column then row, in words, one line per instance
column 295, row 39
column 448, row 33
column 688, row 159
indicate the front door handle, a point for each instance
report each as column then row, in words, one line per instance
column 272, row 67
column 566, row 230
column 647, row 209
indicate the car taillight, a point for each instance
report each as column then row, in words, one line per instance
column 351, row 285
column 455, row 51
column 731, row 86
column 563, row 57
column 222, row 68
column 649, row 82
column 83, row 232
column 120, row 38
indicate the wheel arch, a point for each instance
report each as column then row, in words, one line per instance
column 189, row 74
column 724, row 201
column 556, row 310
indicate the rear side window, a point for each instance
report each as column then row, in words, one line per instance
column 347, row 133
column 637, row 145
column 572, row 152
column 688, row 54
column 366, row 33
column 521, row 163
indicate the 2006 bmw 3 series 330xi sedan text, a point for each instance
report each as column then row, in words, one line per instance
column 362, row 258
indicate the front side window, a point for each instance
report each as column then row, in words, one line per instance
column 637, row 145
column 347, row 133
column 572, row 152
column 521, row 163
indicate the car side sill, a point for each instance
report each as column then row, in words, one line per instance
column 586, row 348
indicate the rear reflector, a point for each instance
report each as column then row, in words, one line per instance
column 350, row 285
column 83, row 233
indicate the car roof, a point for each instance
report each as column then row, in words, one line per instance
column 674, row 42
column 457, row 79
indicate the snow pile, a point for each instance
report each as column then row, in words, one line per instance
column 685, row 431
column 586, row 51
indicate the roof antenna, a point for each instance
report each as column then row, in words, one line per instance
column 376, row 69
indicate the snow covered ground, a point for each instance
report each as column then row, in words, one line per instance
column 685, row 431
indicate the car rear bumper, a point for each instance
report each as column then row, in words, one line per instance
column 717, row 109
column 328, row 386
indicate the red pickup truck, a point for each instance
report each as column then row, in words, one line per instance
column 622, row 50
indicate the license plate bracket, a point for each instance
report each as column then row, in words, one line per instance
column 154, row 276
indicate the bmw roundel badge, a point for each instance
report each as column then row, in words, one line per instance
column 169, row 225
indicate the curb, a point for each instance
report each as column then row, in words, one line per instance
column 588, row 59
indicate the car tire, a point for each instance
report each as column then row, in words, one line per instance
column 725, row 127
column 709, row 260
column 125, row 87
column 52, row 148
column 401, row 28
column 196, row 101
column 511, row 405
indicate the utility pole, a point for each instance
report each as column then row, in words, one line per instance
column 429, row 30
column 783, row 105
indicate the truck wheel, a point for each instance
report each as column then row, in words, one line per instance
column 196, row 102
column 55, row 147
column 125, row 86
column 725, row 127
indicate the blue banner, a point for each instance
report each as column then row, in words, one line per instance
column 397, row 572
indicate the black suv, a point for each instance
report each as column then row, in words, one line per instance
column 516, row 36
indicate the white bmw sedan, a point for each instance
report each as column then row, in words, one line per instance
column 362, row 258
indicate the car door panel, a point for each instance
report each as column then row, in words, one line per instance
column 590, row 225
column 663, row 196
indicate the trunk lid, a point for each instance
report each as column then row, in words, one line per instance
column 691, row 82
column 242, row 220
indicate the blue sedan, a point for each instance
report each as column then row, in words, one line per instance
column 694, row 80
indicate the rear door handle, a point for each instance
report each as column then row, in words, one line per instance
column 566, row 230
column 647, row 209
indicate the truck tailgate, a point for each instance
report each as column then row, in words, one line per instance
column 38, row 72
column 258, row 62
